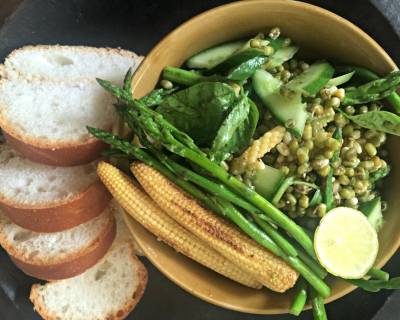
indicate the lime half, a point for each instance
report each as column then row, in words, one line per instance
column 345, row 243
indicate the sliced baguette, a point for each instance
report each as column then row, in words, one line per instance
column 70, row 62
column 46, row 121
column 60, row 255
column 45, row 198
column 107, row 291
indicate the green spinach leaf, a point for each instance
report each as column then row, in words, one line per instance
column 236, row 130
column 384, row 121
column 199, row 110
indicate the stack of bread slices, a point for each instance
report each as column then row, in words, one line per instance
column 57, row 220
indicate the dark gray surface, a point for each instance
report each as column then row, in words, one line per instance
column 138, row 25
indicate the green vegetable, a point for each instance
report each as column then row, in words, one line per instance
column 384, row 121
column 199, row 110
column 280, row 56
column 162, row 133
column 364, row 74
column 373, row 211
column 236, row 130
column 235, row 60
column 378, row 274
column 373, row 90
column 376, row 285
column 289, row 111
column 339, row 80
column 286, row 184
column 210, row 57
column 378, row 174
column 328, row 191
column 181, row 76
column 316, row 198
column 300, row 297
column 267, row 181
column 318, row 306
column 246, row 69
column 220, row 206
column 156, row 96
column 312, row 80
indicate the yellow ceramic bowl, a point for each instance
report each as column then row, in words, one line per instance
column 319, row 33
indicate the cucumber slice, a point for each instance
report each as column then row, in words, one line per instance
column 337, row 81
column 235, row 60
column 210, row 57
column 290, row 111
column 312, row 80
column 267, row 181
column 281, row 56
column 373, row 210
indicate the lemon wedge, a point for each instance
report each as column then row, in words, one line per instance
column 345, row 243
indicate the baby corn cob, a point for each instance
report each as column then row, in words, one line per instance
column 216, row 232
column 144, row 210
column 257, row 150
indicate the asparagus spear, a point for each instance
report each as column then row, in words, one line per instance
column 374, row 90
column 367, row 75
column 318, row 305
column 300, row 297
column 177, row 142
column 181, row 76
column 378, row 274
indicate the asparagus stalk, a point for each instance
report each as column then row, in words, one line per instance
column 378, row 274
column 318, row 305
column 368, row 75
column 177, row 142
column 300, row 297
column 374, row 90
column 181, row 76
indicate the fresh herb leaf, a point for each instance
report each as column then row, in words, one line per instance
column 236, row 130
column 384, row 121
column 199, row 110
column 246, row 69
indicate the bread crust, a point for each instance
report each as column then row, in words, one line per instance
column 59, row 215
column 71, row 265
column 123, row 311
column 56, row 154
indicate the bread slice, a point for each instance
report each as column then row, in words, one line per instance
column 46, row 121
column 60, row 255
column 48, row 95
column 70, row 62
column 107, row 291
column 45, row 198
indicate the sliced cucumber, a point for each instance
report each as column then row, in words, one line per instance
column 267, row 181
column 281, row 56
column 209, row 58
column 337, row 81
column 373, row 210
column 235, row 60
column 312, row 80
column 290, row 111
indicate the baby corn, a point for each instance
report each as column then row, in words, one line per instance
column 257, row 150
column 216, row 232
column 144, row 210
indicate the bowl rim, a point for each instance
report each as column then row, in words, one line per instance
column 145, row 65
